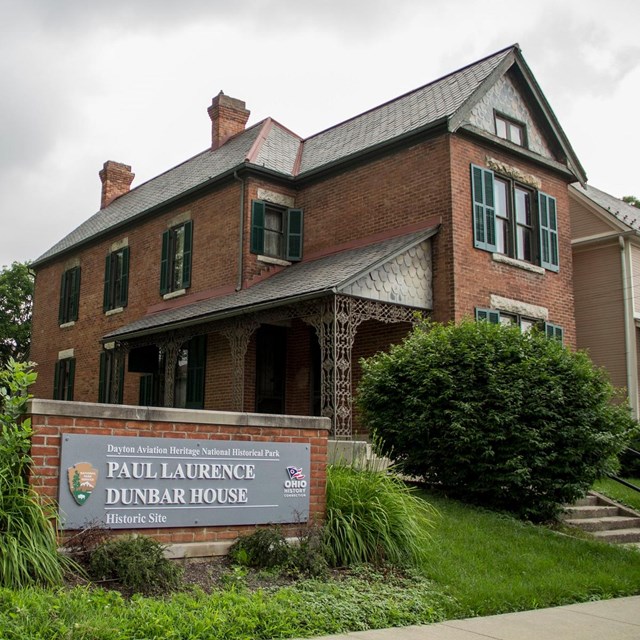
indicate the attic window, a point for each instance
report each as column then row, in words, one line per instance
column 510, row 130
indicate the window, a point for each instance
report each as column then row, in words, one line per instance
column 110, row 371
column 63, row 377
column 552, row 331
column 510, row 130
column 69, row 296
column 190, row 368
column 116, row 279
column 509, row 219
column 276, row 231
column 175, row 266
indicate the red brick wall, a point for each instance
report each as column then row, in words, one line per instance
column 215, row 240
column 476, row 275
column 71, row 418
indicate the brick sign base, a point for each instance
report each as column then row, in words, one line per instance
column 52, row 420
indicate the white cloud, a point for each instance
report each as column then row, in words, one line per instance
column 85, row 82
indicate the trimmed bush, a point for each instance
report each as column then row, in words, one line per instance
column 374, row 517
column 137, row 562
column 495, row 417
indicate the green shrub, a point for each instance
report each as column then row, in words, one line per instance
column 268, row 549
column 492, row 416
column 137, row 562
column 263, row 549
column 28, row 546
column 374, row 517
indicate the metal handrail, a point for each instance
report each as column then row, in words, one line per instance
column 626, row 483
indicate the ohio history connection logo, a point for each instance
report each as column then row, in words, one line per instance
column 296, row 485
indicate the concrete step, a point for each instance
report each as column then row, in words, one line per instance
column 604, row 524
column 590, row 511
column 620, row 536
column 587, row 501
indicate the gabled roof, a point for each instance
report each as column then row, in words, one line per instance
column 270, row 146
column 617, row 211
column 301, row 281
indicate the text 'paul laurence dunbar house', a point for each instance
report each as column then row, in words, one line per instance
column 254, row 276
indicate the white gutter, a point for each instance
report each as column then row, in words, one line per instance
column 629, row 325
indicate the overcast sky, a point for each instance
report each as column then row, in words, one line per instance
column 83, row 82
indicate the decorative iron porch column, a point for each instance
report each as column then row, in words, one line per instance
column 238, row 334
column 170, row 349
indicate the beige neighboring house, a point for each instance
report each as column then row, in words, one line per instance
column 606, row 279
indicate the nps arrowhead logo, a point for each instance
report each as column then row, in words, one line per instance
column 83, row 479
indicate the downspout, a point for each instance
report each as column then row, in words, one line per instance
column 241, row 235
column 629, row 325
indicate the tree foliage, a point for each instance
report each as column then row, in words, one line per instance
column 632, row 200
column 16, row 302
column 492, row 416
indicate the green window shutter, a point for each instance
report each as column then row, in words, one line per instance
column 164, row 264
column 63, row 297
column 484, row 216
column 56, row 381
column 554, row 332
column 124, row 281
column 195, row 372
column 186, row 262
column 106, row 298
column 257, row 226
column 102, row 390
column 120, row 373
column 548, row 223
column 75, row 294
column 489, row 315
column 72, row 375
column 294, row 234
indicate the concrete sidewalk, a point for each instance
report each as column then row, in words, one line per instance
column 617, row 619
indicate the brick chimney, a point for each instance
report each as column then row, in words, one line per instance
column 228, row 117
column 116, row 181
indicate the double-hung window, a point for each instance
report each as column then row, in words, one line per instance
column 116, row 279
column 512, row 219
column 175, row 267
column 276, row 231
column 63, row 378
column 69, row 296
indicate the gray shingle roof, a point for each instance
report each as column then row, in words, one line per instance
column 414, row 110
column 625, row 213
column 303, row 280
column 267, row 144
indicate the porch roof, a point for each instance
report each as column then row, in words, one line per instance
column 302, row 281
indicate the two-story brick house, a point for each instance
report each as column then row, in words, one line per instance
column 254, row 276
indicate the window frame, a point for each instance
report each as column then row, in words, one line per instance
column 170, row 254
column 116, row 280
column 544, row 234
column 292, row 234
column 510, row 124
column 494, row 316
column 64, row 378
column 69, row 296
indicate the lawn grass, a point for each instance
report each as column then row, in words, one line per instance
column 480, row 563
column 619, row 492
column 493, row 564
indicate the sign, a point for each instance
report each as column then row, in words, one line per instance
column 137, row 483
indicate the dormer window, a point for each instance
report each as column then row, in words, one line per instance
column 510, row 130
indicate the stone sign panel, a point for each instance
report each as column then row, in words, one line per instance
column 137, row 482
